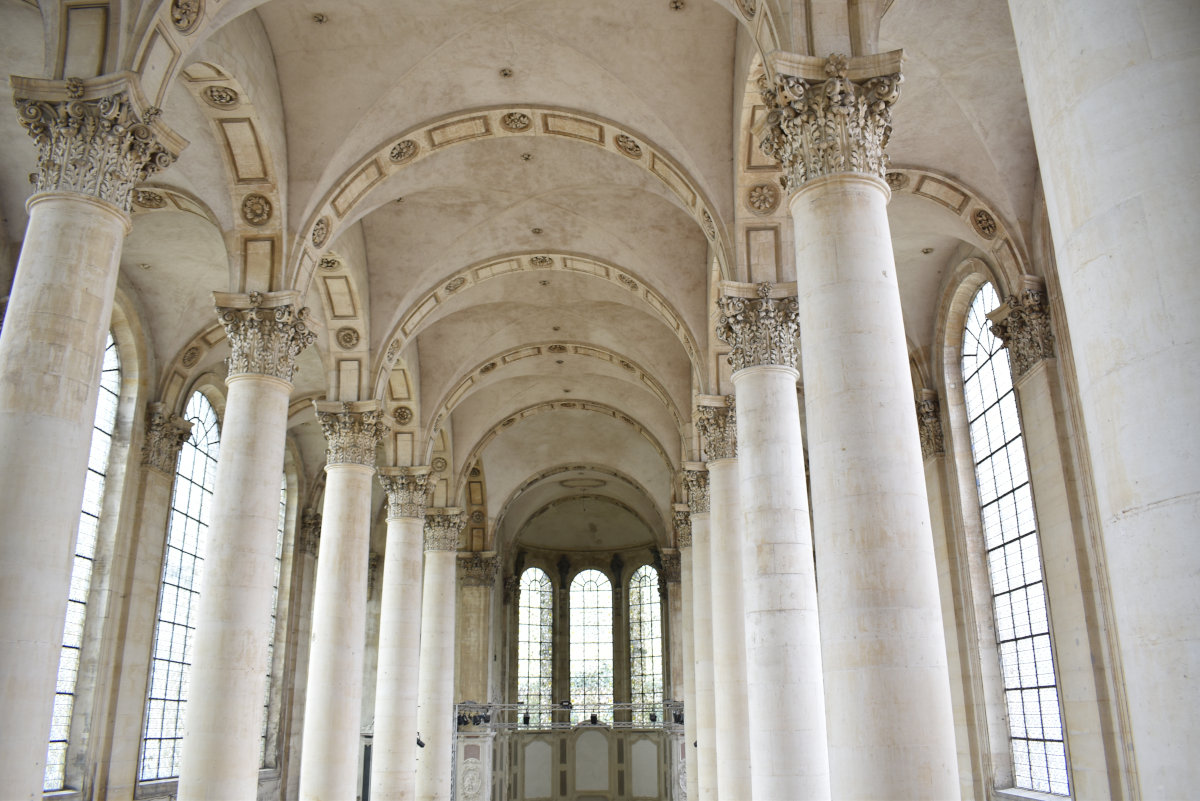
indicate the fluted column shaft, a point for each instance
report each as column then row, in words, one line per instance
column 393, row 751
column 233, row 620
column 707, row 769
column 51, row 349
column 435, row 694
column 333, row 702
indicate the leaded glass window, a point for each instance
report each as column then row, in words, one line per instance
column 103, row 426
column 591, row 601
column 535, row 646
column 645, row 643
column 183, row 563
column 1013, row 556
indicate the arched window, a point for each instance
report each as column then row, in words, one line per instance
column 187, row 530
column 591, row 646
column 535, row 646
column 81, row 571
column 266, row 721
column 1013, row 556
column 645, row 643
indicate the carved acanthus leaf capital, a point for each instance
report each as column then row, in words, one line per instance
column 478, row 570
column 512, row 589
column 828, row 116
column 1022, row 323
column 266, row 333
column 408, row 489
column 695, row 481
column 670, row 566
column 165, row 434
column 759, row 330
column 929, row 424
column 96, row 137
column 352, row 431
column 442, row 527
column 718, row 428
column 683, row 526
column 309, row 540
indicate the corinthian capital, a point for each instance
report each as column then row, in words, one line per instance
column 96, row 137
column 352, row 431
column 717, row 422
column 442, row 527
column 760, row 328
column 670, row 566
column 929, row 424
column 683, row 526
column 695, row 480
column 408, row 490
column 265, row 331
column 828, row 116
column 165, row 434
column 1022, row 323
column 478, row 570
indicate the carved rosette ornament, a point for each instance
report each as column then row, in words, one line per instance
column 929, row 424
column 478, row 570
column 165, row 434
column 310, row 532
column 695, row 479
column 760, row 330
column 832, row 117
column 1022, row 323
column 352, row 431
column 265, row 331
column 442, row 527
column 408, row 490
column 718, row 429
column 683, row 526
column 97, row 138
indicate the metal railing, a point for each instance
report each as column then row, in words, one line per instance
column 667, row 715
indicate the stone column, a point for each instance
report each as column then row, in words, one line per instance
column 696, row 476
column 333, row 702
column 1125, row 241
column 477, row 574
column 673, row 620
column 717, row 423
column 435, row 694
column 784, row 689
column 229, row 664
column 393, row 753
column 683, row 538
column 891, row 731
column 95, row 139
column 308, row 545
column 165, row 434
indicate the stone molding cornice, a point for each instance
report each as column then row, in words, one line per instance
column 829, row 116
column 408, row 489
column 165, row 434
column 695, row 481
column 929, row 424
column 760, row 328
column 309, row 539
column 1022, row 323
column 442, row 527
column 266, row 332
column 716, row 420
column 477, row 569
column 670, row 566
column 683, row 526
column 96, row 137
column 352, row 431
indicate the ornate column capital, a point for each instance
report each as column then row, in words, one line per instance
column 1022, row 323
column 670, row 565
column 408, row 490
column 760, row 323
column 929, row 424
column 165, row 434
column 442, row 527
column 695, row 482
column 829, row 116
column 309, row 539
column 352, row 431
column 716, row 420
column 512, row 589
column 96, row 137
column 266, row 332
column 683, row 525
column 477, row 569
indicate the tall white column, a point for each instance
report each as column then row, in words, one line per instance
column 435, row 694
column 333, row 702
column 783, row 645
column 707, row 769
column 229, row 664
column 891, row 732
column 307, row 547
column 1112, row 101
column 674, row 622
column 393, row 752
column 717, row 423
column 683, row 539
column 473, row 626
column 95, row 140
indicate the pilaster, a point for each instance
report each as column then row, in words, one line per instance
column 165, row 434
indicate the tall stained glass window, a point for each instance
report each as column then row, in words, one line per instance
column 266, row 721
column 534, row 646
column 591, row 603
column 645, row 643
column 81, row 570
column 183, row 562
column 1013, row 556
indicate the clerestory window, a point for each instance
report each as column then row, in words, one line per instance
column 535, row 646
